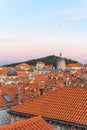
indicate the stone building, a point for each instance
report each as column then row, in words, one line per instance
column 4, row 117
column 61, row 63
column 40, row 65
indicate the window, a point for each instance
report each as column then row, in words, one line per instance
column 7, row 99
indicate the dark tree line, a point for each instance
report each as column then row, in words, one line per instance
column 49, row 60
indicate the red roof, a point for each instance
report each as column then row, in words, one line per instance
column 74, row 65
column 66, row 104
column 3, row 72
column 23, row 64
column 22, row 74
column 4, row 90
column 12, row 91
column 85, row 65
column 36, row 123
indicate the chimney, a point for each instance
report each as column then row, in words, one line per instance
column 19, row 95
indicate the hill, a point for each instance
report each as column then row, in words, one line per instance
column 52, row 59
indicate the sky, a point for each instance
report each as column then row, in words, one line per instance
column 37, row 28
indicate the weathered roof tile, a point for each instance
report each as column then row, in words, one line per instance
column 66, row 104
column 36, row 123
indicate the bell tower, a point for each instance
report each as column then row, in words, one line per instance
column 61, row 62
column 60, row 54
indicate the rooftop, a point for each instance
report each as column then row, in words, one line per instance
column 75, row 65
column 67, row 104
column 36, row 123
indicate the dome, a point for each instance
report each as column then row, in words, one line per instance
column 11, row 73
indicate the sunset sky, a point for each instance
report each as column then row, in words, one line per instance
column 37, row 28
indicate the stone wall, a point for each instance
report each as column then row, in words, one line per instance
column 4, row 117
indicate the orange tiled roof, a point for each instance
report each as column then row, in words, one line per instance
column 41, row 77
column 3, row 72
column 12, row 91
column 74, row 65
column 4, row 90
column 23, row 64
column 49, row 66
column 85, row 65
column 36, row 123
column 66, row 104
column 22, row 74
column 3, row 103
column 60, row 84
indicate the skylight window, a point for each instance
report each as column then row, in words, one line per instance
column 7, row 99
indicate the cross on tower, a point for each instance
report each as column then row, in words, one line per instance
column 60, row 54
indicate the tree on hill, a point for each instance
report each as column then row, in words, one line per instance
column 49, row 60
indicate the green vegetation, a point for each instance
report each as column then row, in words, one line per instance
column 47, row 60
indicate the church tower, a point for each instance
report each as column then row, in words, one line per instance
column 61, row 62
column 60, row 54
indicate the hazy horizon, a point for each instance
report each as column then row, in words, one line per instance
column 20, row 61
column 31, row 29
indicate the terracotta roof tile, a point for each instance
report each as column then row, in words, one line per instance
column 3, row 72
column 4, row 90
column 36, row 123
column 11, row 92
column 75, row 65
column 67, row 104
column 22, row 74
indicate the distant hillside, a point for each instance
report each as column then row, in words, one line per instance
column 52, row 59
